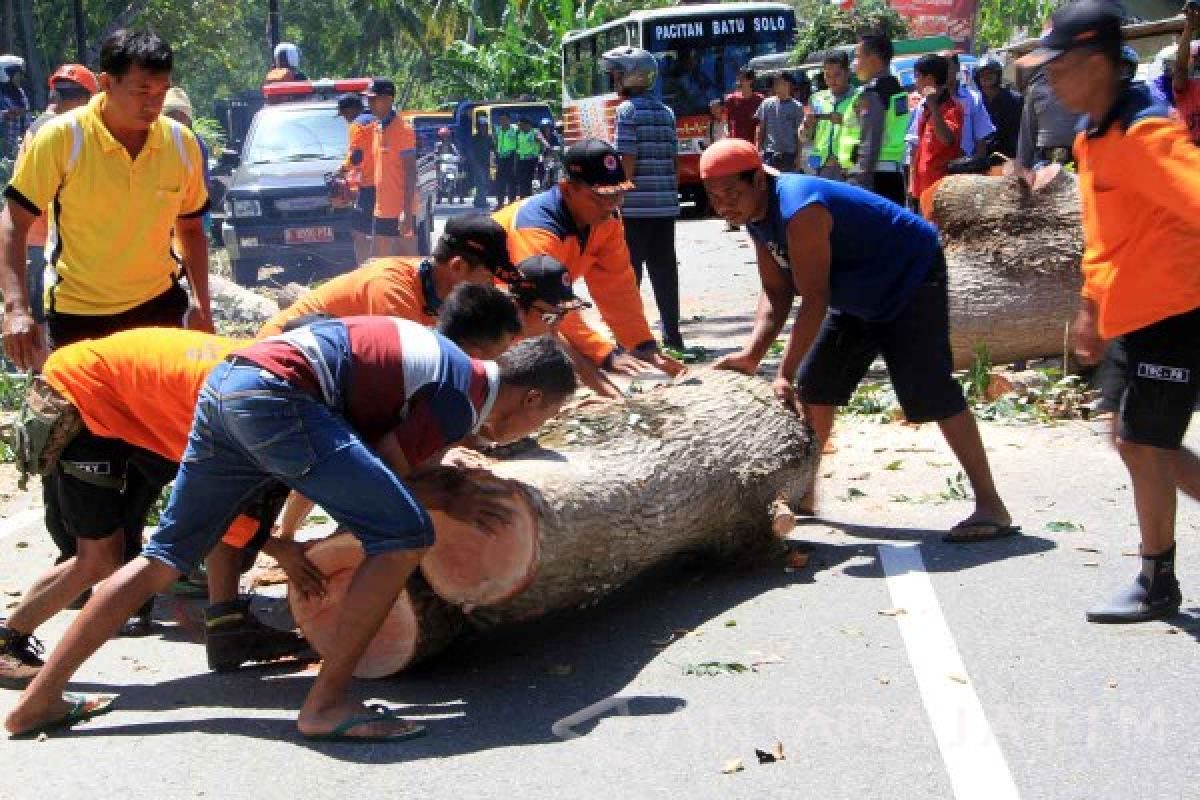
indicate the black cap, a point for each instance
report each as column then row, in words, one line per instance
column 1085, row 23
column 545, row 278
column 596, row 163
column 480, row 237
column 348, row 101
column 381, row 86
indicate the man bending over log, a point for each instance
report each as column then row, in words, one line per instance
column 1139, row 180
column 873, row 280
column 132, row 397
column 577, row 223
column 300, row 408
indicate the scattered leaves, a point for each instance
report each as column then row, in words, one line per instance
column 775, row 754
column 731, row 623
column 732, row 765
column 893, row 466
column 797, row 560
column 710, row 668
column 21, row 545
column 1063, row 526
column 853, row 494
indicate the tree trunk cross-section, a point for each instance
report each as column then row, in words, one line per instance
column 609, row 492
column 1013, row 261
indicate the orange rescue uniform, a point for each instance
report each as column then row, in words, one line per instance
column 382, row 287
column 542, row 225
column 1139, row 179
column 393, row 139
column 361, row 148
column 141, row 386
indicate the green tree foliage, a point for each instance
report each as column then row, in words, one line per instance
column 1001, row 21
column 822, row 24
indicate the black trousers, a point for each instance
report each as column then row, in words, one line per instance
column 652, row 246
column 891, row 186
column 526, row 169
column 164, row 311
column 506, row 179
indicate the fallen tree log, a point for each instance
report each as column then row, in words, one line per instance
column 417, row 626
column 1013, row 258
column 619, row 488
column 706, row 464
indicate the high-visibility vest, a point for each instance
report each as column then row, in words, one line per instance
column 827, row 135
column 506, row 142
column 895, row 127
column 527, row 145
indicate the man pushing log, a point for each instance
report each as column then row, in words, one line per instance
column 300, row 408
column 873, row 281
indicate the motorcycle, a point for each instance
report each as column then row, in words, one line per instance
column 551, row 171
column 449, row 172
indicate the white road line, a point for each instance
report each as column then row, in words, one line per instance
column 19, row 521
column 972, row 756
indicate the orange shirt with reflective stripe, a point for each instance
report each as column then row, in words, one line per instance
column 362, row 140
column 542, row 225
column 385, row 286
column 1139, row 180
column 140, row 385
column 391, row 144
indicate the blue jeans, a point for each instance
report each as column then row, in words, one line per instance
column 252, row 428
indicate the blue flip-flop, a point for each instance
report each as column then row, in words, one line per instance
column 342, row 732
column 83, row 707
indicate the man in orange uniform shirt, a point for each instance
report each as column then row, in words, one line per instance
column 1139, row 180
column 576, row 222
column 395, row 155
column 359, row 169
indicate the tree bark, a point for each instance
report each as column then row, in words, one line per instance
column 610, row 492
column 1013, row 259
column 621, row 488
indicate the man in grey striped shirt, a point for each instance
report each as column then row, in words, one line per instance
column 648, row 146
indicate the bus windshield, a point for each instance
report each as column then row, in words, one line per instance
column 699, row 60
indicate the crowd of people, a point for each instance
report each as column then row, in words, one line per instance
column 349, row 398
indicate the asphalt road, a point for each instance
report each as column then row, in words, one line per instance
column 980, row 679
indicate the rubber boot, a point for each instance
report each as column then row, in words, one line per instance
column 1154, row 594
column 234, row 636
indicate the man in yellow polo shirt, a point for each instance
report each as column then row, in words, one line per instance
column 117, row 180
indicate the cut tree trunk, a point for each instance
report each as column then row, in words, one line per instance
column 617, row 489
column 1013, row 258
column 707, row 464
column 417, row 626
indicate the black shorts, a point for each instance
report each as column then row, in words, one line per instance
column 1150, row 379
column 364, row 210
column 387, row 226
column 165, row 311
column 915, row 346
column 96, row 507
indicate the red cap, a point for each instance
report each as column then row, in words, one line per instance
column 76, row 73
column 729, row 157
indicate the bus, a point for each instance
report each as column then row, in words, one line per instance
column 699, row 49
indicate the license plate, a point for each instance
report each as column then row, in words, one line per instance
column 314, row 235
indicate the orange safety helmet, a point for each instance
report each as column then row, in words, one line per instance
column 76, row 73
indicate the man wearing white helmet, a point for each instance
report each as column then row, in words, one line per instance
column 285, row 64
column 14, row 104
column 647, row 143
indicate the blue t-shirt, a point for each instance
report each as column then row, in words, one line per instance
column 880, row 252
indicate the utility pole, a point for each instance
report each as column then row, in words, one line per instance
column 80, row 32
column 273, row 23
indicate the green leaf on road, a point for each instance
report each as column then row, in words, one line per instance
column 1063, row 526
column 895, row 465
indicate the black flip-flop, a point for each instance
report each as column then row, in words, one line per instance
column 980, row 532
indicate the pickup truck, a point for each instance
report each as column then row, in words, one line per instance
column 277, row 207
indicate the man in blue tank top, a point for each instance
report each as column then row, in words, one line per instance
column 873, row 282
